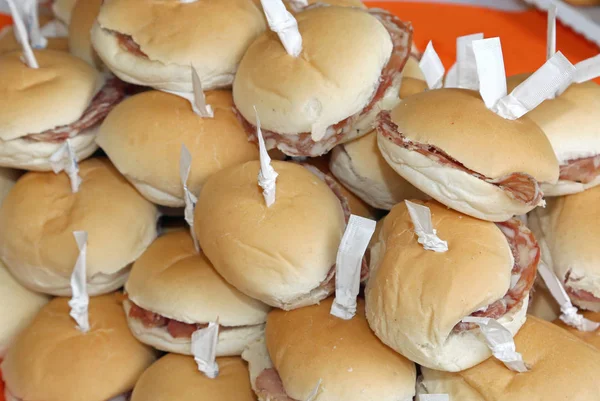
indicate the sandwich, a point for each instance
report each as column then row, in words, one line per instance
column 283, row 255
column 173, row 291
column 448, row 144
column 563, row 368
column 176, row 377
column 83, row 17
column 331, row 92
column 32, row 127
column 417, row 298
column 17, row 308
column 155, row 43
column 571, row 123
column 567, row 230
column 51, row 360
column 309, row 354
column 143, row 140
column 41, row 212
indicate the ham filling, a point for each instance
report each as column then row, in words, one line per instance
column 302, row 144
column 526, row 253
column 175, row 328
column 519, row 186
column 583, row 170
column 578, row 295
column 104, row 101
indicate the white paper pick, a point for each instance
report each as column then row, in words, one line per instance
column 421, row 218
column 569, row 312
column 80, row 300
column 66, row 159
column 197, row 98
column 500, row 341
column 313, row 394
column 54, row 29
column 31, row 17
column 451, row 80
column 490, row 69
column 550, row 80
column 267, row 176
column 21, row 32
column 204, row 349
column 283, row 23
column 348, row 265
column 187, row 1
column 298, row 5
column 433, row 397
column 466, row 67
column 551, row 32
column 185, row 164
column 122, row 397
column 432, row 67
column 587, row 70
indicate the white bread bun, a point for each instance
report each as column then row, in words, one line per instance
column 590, row 337
column 413, row 81
column 63, row 8
column 309, row 345
column 174, row 281
column 143, row 125
column 176, row 377
column 359, row 165
column 28, row 96
column 52, row 360
column 232, row 341
column 18, row 306
column 567, row 231
column 40, row 214
column 357, row 206
column 579, row 105
column 83, row 17
column 416, row 297
column 324, row 85
column 210, row 34
column 280, row 254
column 457, row 122
column 8, row 41
column 563, row 368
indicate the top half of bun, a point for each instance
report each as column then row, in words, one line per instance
column 458, row 123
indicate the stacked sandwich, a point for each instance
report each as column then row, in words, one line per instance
column 198, row 217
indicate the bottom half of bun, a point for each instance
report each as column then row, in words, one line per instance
column 563, row 187
column 453, row 187
column 29, row 154
column 232, row 341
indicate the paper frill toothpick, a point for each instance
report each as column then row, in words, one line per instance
column 551, row 32
column 204, row 349
column 283, row 23
column 588, row 69
column 21, row 32
column 500, row 341
column 463, row 73
column 298, row 5
column 427, row 235
column 433, row 397
column 432, row 68
column 65, row 159
column 196, row 98
column 546, row 83
column 32, row 22
column 569, row 313
column 80, row 299
column 315, row 391
column 185, row 165
column 267, row 176
column 348, row 265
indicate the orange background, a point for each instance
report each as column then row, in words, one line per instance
column 523, row 35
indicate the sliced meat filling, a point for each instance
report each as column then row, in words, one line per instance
column 578, row 295
column 175, row 328
column 128, row 44
column 584, row 170
column 109, row 96
column 526, row 253
column 302, row 144
column 519, row 186
column 270, row 387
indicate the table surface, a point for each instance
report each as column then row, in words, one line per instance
column 522, row 31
